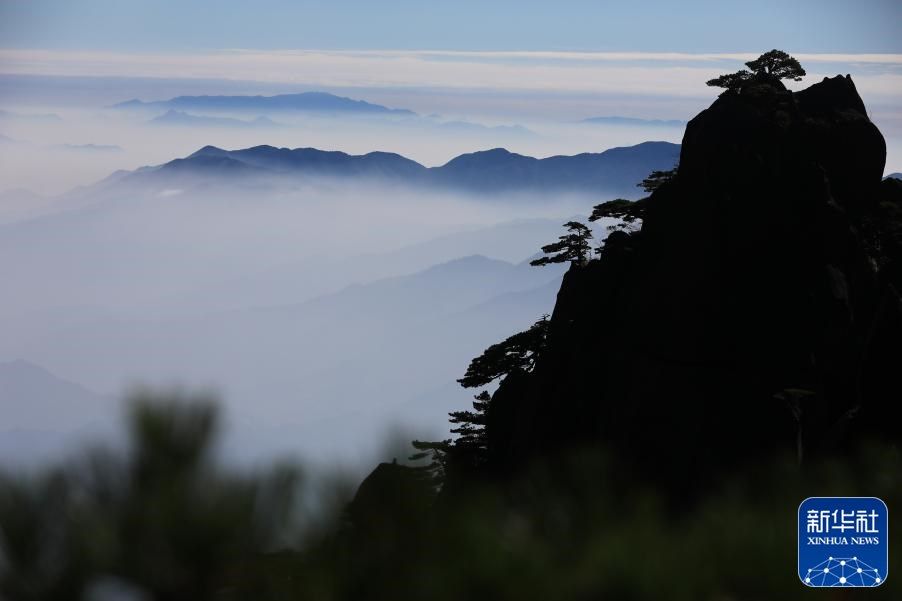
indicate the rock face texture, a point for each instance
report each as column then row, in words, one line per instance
column 756, row 311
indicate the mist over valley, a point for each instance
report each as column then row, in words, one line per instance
column 331, row 298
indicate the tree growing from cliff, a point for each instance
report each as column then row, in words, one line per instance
column 627, row 211
column 775, row 65
column 470, row 425
column 574, row 246
column 436, row 453
column 656, row 179
column 515, row 353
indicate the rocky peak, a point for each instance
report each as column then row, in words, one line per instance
column 748, row 315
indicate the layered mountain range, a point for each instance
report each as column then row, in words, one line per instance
column 615, row 171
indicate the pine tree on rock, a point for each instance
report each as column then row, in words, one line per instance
column 515, row 353
column 772, row 65
column 778, row 65
column 731, row 81
column 471, row 424
column 574, row 246
column 627, row 211
column 656, row 179
column 437, row 455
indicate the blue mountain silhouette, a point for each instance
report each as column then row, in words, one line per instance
column 616, row 171
column 306, row 101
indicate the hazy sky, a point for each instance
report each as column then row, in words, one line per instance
column 658, row 48
column 656, row 25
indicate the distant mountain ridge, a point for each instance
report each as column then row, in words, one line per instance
column 614, row 171
column 322, row 102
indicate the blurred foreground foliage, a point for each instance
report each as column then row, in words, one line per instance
column 164, row 521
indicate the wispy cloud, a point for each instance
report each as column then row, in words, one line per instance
column 671, row 74
column 615, row 56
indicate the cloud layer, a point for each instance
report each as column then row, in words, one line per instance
column 672, row 74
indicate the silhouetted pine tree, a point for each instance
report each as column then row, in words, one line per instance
column 574, row 246
column 470, row 448
column 515, row 353
column 777, row 64
column 437, row 455
column 471, row 424
column 627, row 211
column 656, row 179
column 774, row 65
column 731, row 81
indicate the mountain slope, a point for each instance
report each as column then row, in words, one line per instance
column 357, row 354
column 294, row 339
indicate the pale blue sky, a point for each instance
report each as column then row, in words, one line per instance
column 650, row 26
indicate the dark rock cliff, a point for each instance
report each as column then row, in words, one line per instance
column 756, row 311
